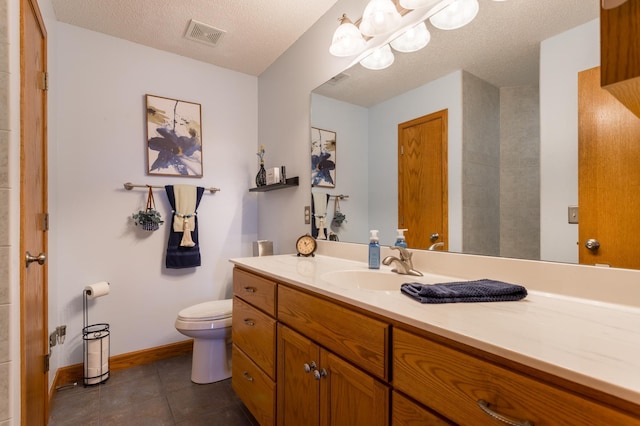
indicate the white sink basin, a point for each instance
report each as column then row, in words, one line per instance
column 381, row 280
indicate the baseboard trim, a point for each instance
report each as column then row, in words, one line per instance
column 75, row 373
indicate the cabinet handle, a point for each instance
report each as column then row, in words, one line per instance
column 318, row 374
column 249, row 322
column 484, row 405
column 310, row 367
column 246, row 375
column 250, row 289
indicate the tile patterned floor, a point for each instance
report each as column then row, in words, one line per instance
column 159, row 393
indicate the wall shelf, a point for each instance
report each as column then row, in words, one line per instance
column 290, row 182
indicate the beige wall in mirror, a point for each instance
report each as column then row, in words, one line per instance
column 512, row 133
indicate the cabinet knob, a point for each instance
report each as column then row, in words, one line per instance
column 246, row 375
column 318, row 374
column 310, row 367
column 484, row 405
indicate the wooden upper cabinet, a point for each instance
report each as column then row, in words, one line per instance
column 620, row 53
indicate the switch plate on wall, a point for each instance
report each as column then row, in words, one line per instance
column 307, row 215
column 573, row 214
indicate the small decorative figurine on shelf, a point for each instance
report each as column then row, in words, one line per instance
column 261, row 177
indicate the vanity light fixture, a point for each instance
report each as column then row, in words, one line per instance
column 456, row 15
column 379, row 17
column 382, row 23
column 412, row 40
column 347, row 40
column 379, row 59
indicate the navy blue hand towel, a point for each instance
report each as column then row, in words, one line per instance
column 464, row 291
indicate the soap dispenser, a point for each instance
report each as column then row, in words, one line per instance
column 400, row 241
column 374, row 250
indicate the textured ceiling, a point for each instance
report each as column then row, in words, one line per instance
column 257, row 32
column 500, row 46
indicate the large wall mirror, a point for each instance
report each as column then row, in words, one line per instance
column 509, row 84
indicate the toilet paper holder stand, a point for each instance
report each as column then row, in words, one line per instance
column 95, row 338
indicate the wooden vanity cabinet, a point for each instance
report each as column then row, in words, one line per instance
column 317, row 387
column 455, row 384
column 327, row 367
column 304, row 359
column 254, row 344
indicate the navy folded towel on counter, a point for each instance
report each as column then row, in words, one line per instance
column 464, row 291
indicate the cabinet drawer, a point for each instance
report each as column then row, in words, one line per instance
column 254, row 332
column 258, row 291
column 452, row 383
column 405, row 412
column 256, row 390
column 355, row 337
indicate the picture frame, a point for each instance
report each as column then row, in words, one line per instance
column 323, row 157
column 174, row 137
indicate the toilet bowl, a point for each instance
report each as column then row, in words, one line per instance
column 209, row 324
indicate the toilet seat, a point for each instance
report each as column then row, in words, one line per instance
column 207, row 311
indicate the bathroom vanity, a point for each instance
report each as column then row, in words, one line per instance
column 312, row 347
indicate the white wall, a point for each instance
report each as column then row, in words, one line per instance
column 561, row 58
column 98, row 87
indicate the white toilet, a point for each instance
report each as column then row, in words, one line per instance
column 209, row 324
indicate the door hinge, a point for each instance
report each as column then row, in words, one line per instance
column 45, row 80
column 45, row 222
column 46, row 362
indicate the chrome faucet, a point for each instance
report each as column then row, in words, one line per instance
column 403, row 264
column 435, row 246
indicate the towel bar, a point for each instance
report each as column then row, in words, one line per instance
column 129, row 186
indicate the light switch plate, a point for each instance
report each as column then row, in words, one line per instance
column 307, row 215
column 573, row 214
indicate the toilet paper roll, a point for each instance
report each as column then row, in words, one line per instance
column 97, row 290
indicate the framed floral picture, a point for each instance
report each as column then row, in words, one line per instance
column 174, row 137
column 323, row 158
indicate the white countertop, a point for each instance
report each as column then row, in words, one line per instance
column 592, row 343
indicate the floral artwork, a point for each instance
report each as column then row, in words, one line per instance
column 174, row 137
column 323, row 158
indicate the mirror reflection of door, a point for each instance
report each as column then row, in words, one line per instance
column 422, row 180
column 608, row 177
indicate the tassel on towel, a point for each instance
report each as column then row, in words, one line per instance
column 465, row 291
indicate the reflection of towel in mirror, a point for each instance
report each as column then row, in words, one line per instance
column 319, row 201
column 183, row 250
column 464, row 291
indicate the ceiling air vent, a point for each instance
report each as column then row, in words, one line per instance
column 338, row 78
column 204, row 33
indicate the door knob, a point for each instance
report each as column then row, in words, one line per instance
column 434, row 237
column 592, row 244
column 41, row 259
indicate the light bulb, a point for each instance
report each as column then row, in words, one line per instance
column 458, row 14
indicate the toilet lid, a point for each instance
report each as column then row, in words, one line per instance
column 215, row 309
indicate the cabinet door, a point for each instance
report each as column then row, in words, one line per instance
column 298, row 391
column 348, row 396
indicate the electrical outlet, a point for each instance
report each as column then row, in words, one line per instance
column 53, row 339
column 307, row 215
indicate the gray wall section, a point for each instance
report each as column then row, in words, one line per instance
column 501, row 169
column 520, row 172
column 481, row 166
